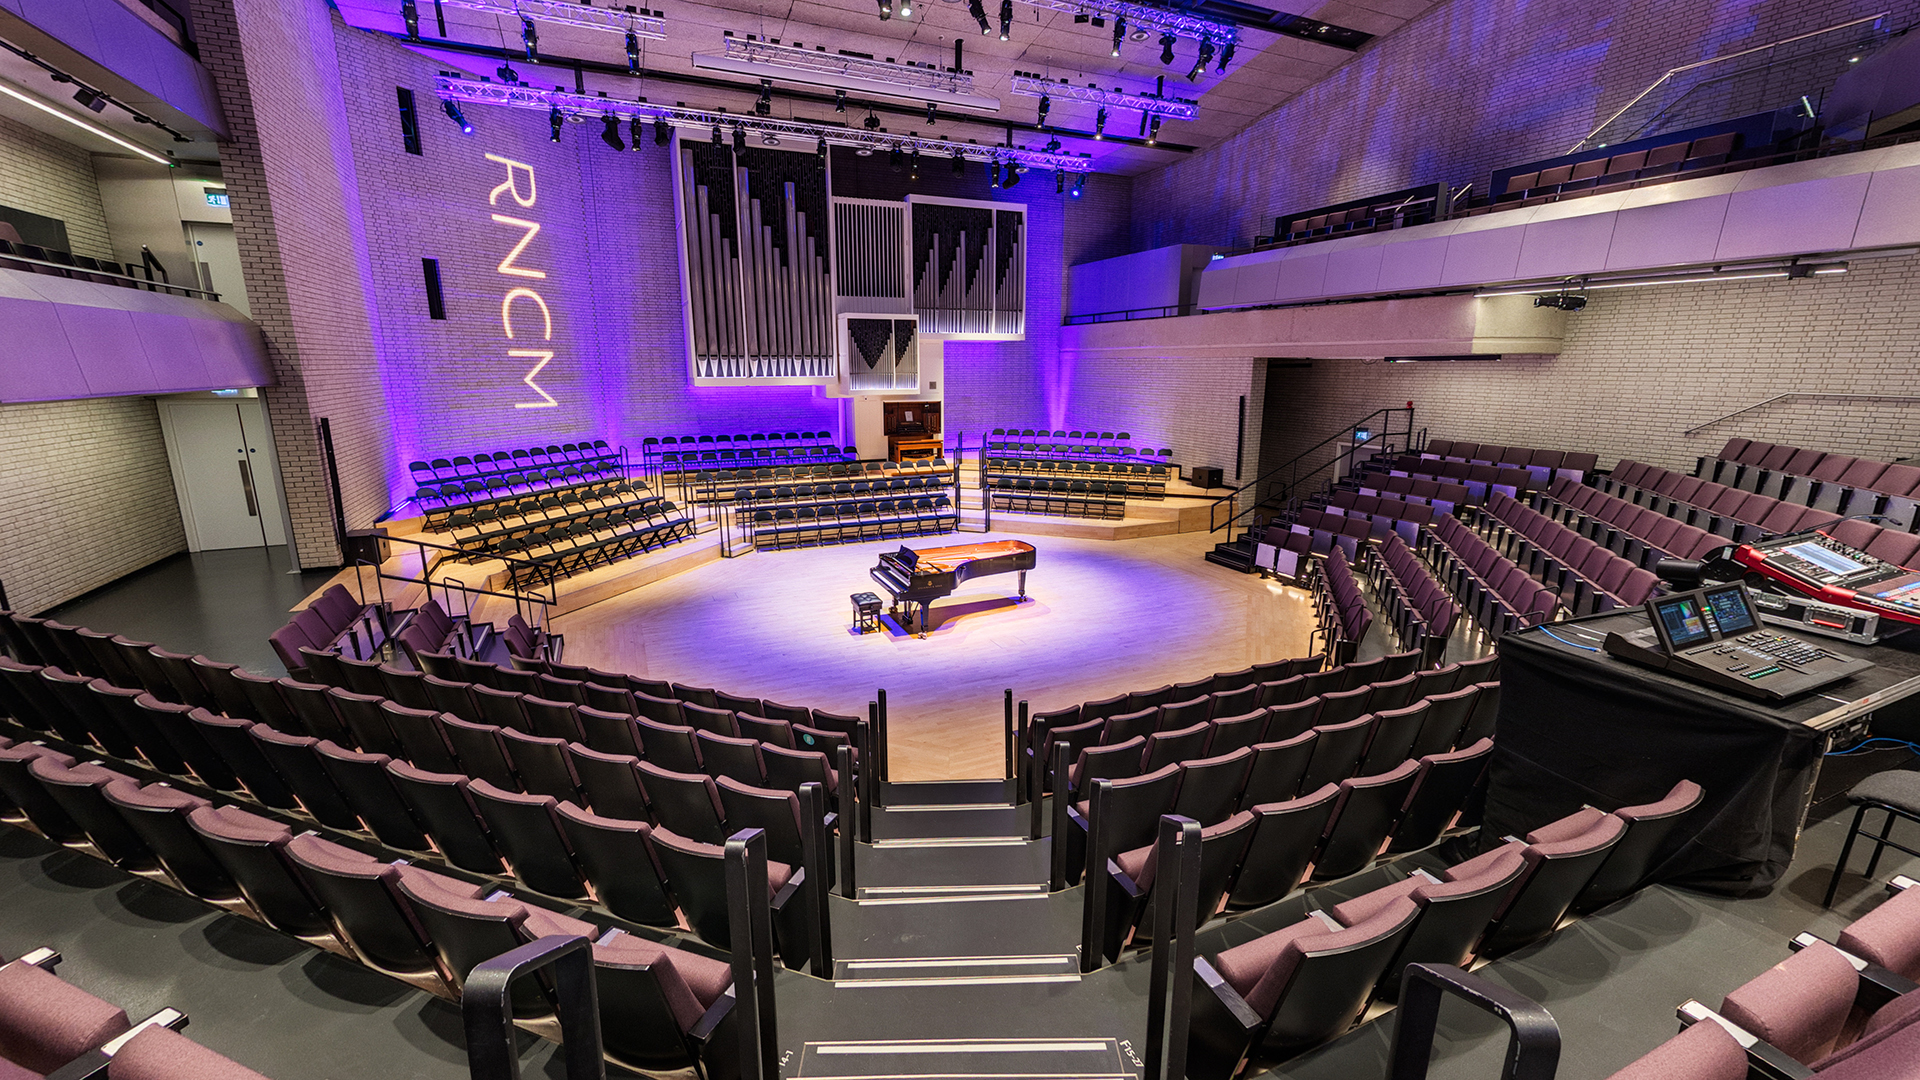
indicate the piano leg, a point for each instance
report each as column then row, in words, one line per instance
column 924, row 604
column 1023, row 585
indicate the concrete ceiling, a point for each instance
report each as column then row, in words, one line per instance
column 1267, row 68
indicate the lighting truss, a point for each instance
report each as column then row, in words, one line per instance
column 582, row 16
column 1142, row 17
column 521, row 96
column 1176, row 108
column 818, row 67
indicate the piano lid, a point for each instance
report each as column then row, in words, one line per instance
column 947, row 559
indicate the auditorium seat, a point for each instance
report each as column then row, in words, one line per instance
column 1131, row 876
column 1647, row 828
column 1230, row 733
column 738, row 759
column 669, row 746
column 1211, row 786
column 1363, row 817
column 1286, row 837
column 79, row 791
column 1336, row 751
column 231, row 739
column 1392, row 738
column 293, row 757
column 252, row 850
column 1164, row 748
column 467, row 931
column 688, row 804
column 445, row 811
column 480, row 752
column 540, row 764
column 47, row 1022
column 361, row 898
column 609, row 783
column 662, row 1009
column 1889, row 935
column 158, row 814
column 1558, row 866
column 526, row 829
column 778, row 814
column 1442, row 789
column 1453, row 913
column 421, row 736
column 697, row 874
column 156, row 1052
column 362, row 779
column 618, row 858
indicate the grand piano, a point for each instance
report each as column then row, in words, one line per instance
column 921, row 577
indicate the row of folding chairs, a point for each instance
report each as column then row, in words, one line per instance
column 538, row 503
column 1838, row 482
column 1422, row 612
column 660, row 1006
column 575, row 549
column 852, row 522
column 483, row 797
column 1546, row 465
column 440, row 502
column 56, row 1028
column 1262, row 851
column 489, row 525
column 1146, row 481
column 774, row 497
column 1307, row 983
column 1059, row 498
column 775, row 437
column 549, row 533
column 1588, row 577
column 591, row 456
column 1080, row 451
column 881, row 469
column 1639, row 533
column 1096, row 437
column 1340, row 609
column 1495, row 590
column 685, row 463
column 1843, row 1010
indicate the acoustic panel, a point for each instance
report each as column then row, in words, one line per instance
column 757, row 266
column 969, row 267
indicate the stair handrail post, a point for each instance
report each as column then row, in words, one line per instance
column 1176, row 909
column 866, row 780
column 750, row 921
column 881, row 701
column 814, row 853
column 1062, row 825
column 845, row 823
column 1292, row 466
column 486, row 1008
column 1093, row 909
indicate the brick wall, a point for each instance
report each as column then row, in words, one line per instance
column 85, row 497
column 1468, row 87
column 1641, row 366
column 43, row 175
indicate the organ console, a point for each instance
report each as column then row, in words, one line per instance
column 921, row 577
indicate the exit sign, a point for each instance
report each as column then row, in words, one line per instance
column 217, row 197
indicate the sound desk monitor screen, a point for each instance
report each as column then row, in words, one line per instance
column 1685, row 624
column 1731, row 610
column 1823, row 557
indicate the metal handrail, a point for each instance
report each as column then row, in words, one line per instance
column 81, row 273
column 1684, row 68
column 533, row 607
column 1165, row 311
column 1385, row 435
column 1907, row 399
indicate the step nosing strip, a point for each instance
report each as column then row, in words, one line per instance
column 929, row 890
column 951, row 841
column 961, row 1046
column 972, row 898
column 962, row 961
column 956, row 980
column 924, row 807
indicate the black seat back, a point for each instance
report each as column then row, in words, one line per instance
column 1211, row 786
column 292, row 756
column 422, row 738
column 250, row 847
column 1369, row 806
column 230, row 739
column 1285, row 837
column 687, row 804
column 618, row 857
column 1336, row 753
column 362, row 778
column 439, row 802
column 1447, row 715
column 526, row 829
column 609, row 782
column 541, row 764
column 480, row 752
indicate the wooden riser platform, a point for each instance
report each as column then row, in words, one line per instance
column 1143, row 519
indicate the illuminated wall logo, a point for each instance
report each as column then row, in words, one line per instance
column 522, row 233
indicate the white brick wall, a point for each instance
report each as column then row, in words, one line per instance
column 42, row 175
column 85, row 497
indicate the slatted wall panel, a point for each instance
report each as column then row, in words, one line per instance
column 870, row 255
column 968, row 266
column 883, row 354
column 758, row 266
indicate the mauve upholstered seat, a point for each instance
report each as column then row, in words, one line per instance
column 159, row 1054
column 1889, row 935
column 1800, row 1005
column 46, row 1022
column 1704, row 1051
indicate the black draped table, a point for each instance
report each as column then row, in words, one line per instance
column 1579, row 727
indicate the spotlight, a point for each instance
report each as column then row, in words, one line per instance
column 1153, row 131
column 529, row 37
column 1079, row 183
column 933, row 113
column 764, row 106
column 662, row 131
column 554, row 120
column 863, row 150
column 1119, row 34
column 459, row 119
column 886, row 10
column 719, row 140
column 993, row 173
column 507, row 74
column 913, row 164
column 1100, row 123
column 978, row 9
column 1200, row 63
column 1053, row 145
column 1011, row 178
column 1046, row 106
column 820, row 151
column 959, row 164
column 893, row 157
column 633, row 53
column 634, row 130
column 739, row 139
column 610, row 132
column 1059, row 181
column 1563, row 303
column 1166, row 48
column 1006, row 19
column 906, row 9
column 411, row 12
column 1226, row 55
column 871, row 123
column 769, row 139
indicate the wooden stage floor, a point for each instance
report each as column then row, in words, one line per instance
column 1105, row 618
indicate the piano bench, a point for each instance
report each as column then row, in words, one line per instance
column 866, row 612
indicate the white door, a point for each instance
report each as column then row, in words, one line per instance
column 229, row 497
column 216, row 256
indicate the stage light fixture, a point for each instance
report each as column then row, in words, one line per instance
column 978, row 9
column 886, row 10
column 871, row 123
column 1153, row 131
column 719, row 140
column 529, row 37
column 840, row 101
column 1200, row 63
column 1100, row 124
column 1046, row 106
column 662, row 131
column 634, row 130
column 507, row 74
column 1079, row 184
column 554, row 120
column 459, row 118
column 959, row 164
column 913, row 164
column 410, row 11
column 764, row 106
column 610, row 132
column 633, row 53
column 769, row 139
column 1012, row 176
column 1119, row 34
column 1226, row 55
column 1167, row 42
column 1059, row 181
column 993, row 173
column 821, row 150
column 894, row 157
column 906, row 9
column 1006, row 19
column 933, row 113
column 739, row 139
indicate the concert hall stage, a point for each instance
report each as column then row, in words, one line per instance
column 1104, row 618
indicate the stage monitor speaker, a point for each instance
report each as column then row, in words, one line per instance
column 1204, row 476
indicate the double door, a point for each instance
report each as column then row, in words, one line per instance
column 224, row 474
